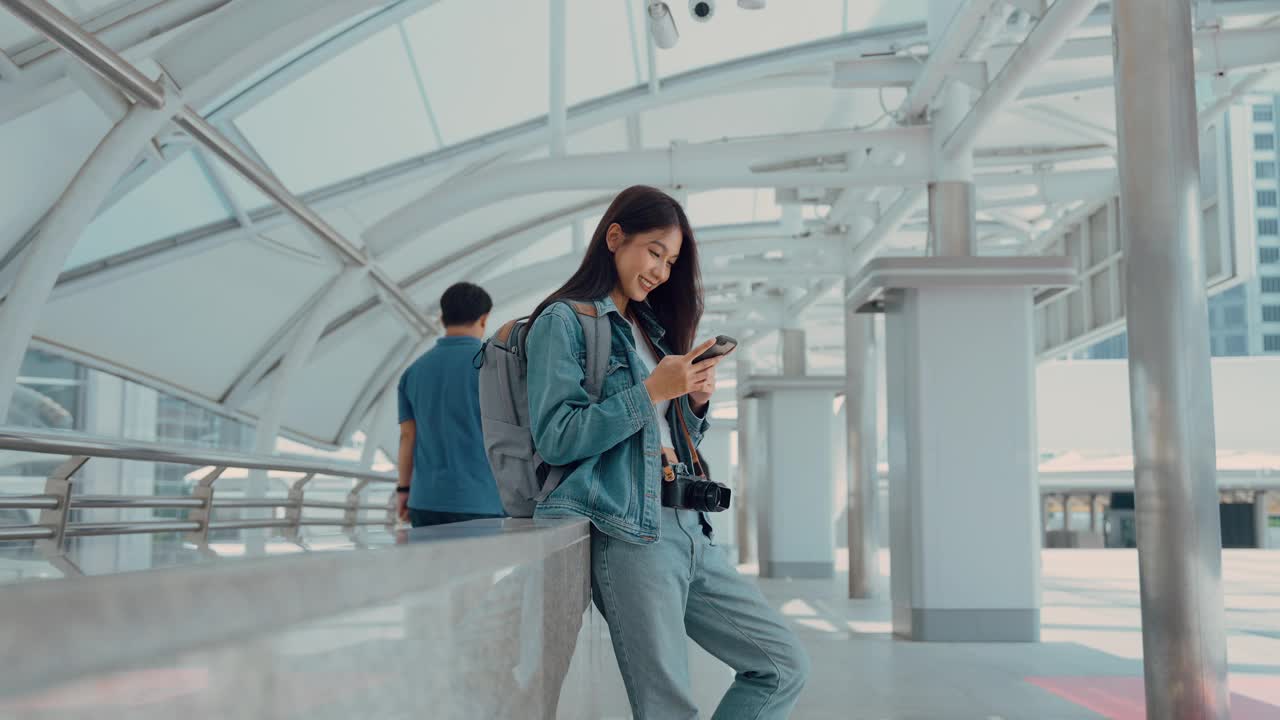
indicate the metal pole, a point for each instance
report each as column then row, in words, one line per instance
column 1178, row 528
column 557, row 114
column 59, row 28
column 860, row 424
column 793, row 351
column 952, row 218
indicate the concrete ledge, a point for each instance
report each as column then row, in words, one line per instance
column 979, row 626
column 104, row 623
column 798, row 570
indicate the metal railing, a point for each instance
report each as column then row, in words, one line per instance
column 59, row 497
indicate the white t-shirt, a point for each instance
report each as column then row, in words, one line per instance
column 651, row 361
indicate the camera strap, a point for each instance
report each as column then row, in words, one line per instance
column 693, row 449
column 697, row 466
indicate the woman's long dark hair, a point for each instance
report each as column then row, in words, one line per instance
column 677, row 302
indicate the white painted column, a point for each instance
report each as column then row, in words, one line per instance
column 117, row 408
column 744, row 513
column 715, row 452
column 965, row 535
column 793, row 494
column 303, row 342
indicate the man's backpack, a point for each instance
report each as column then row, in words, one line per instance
column 524, row 480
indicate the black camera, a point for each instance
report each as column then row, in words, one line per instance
column 689, row 492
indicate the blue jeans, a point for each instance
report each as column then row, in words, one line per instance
column 426, row 518
column 654, row 596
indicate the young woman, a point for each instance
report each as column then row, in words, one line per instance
column 656, row 575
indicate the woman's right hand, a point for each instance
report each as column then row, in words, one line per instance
column 677, row 375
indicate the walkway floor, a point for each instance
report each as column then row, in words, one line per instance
column 1089, row 664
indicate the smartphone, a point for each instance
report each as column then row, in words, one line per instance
column 724, row 345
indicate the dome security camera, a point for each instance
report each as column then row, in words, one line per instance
column 702, row 10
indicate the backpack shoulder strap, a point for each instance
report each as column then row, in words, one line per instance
column 599, row 340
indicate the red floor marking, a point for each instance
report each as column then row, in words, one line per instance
column 1123, row 698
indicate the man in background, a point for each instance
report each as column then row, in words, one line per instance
column 444, row 472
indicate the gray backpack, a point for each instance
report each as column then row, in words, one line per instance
column 524, row 480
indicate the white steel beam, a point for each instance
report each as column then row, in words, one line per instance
column 729, row 77
column 558, row 70
column 9, row 70
column 40, row 264
column 125, row 27
column 382, row 380
column 764, row 162
column 1039, row 46
column 301, row 343
column 248, row 379
column 346, row 252
column 429, row 281
column 893, row 217
column 1067, row 122
column 964, row 25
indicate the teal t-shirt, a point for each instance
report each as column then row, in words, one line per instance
column 441, row 393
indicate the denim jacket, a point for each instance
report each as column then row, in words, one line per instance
column 613, row 446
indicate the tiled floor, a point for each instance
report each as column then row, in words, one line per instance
column 1089, row 664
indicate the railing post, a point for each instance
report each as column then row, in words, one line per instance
column 203, row 492
column 59, row 484
column 294, row 512
column 352, row 514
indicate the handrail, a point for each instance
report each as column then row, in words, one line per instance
column 59, row 498
column 64, row 443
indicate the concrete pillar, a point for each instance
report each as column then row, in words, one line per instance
column 1093, row 512
column 793, row 493
column 1171, row 395
column 1262, row 518
column 117, row 408
column 962, row 463
column 861, row 380
column 792, row 341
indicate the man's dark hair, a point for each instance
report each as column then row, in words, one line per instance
column 464, row 303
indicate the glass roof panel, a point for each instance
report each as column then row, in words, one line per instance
column 734, row 32
column 177, row 198
column 359, row 111
column 483, row 68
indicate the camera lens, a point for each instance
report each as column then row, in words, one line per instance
column 705, row 497
column 702, row 9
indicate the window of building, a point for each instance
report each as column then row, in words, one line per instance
column 1271, row 284
column 1235, row 346
column 1271, row 343
column 1263, row 113
column 1269, row 226
column 1268, row 255
column 1267, row 198
column 1271, row 313
column 1264, row 170
column 1233, row 316
column 1264, row 141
